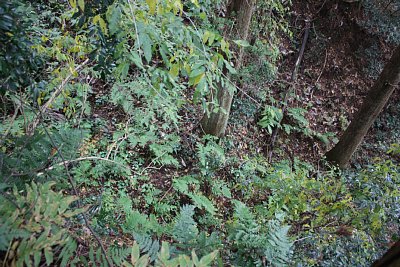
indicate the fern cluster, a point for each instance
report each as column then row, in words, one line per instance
column 256, row 244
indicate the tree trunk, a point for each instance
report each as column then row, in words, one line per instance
column 373, row 104
column 215, row 122
column 391, row 258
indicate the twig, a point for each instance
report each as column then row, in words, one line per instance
column 10, row 200
column 300, row 57
column 149, row 166
column 241, row 90
column 17, row 108
column 135, row 25
column 322, row 6
column 32, row 126
column 84, row 102
column 387, row 5
column 293, row 78
column 75, row 191
column 323, row 68
column 120, row 140
column 67, row 162
column 301, row 239
column 8, row 252
column 165, row 194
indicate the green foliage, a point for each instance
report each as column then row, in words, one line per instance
column 211, row 156
column 271, row 118
column 376, row 192
column 147, row 245
column 327, row 249
column 18, row 61
column 189, row 185
column 394, row 149
column 255, row 242
column 120, row 256
column 356, row 220
column 185, row 228
column 33, row 155
column 164, row 258
column 121, row 130
column 33, row 225
column 268, row 23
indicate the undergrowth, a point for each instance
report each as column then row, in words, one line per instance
column 101, row 165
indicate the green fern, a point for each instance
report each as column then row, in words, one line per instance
column 220, row 188
column 279, row 251
column 141, row 224
column 97, row 257
column 211, row 156
column 181, row 184
column 31, row 155
column 67, row 252
column 185, row 229
column 189, row 186
column 254, row 243
column 271, row 118
column 8, row 231
column 119, row 255
column 147, row 245
column 202, row 202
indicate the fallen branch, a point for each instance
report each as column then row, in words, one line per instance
column 75, row 192
column 323, row 68
column 290, row 88
column 17, row 108
column 67, row 162
column 42, row 110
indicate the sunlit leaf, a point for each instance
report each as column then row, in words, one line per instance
column 81, row 4
column 242, row 43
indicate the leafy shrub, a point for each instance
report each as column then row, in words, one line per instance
column 33, row 225
column 150, row 63
column 271, row 118
column 18, row 61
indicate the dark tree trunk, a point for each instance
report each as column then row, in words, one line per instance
column 373, row 104
column 391, row 258
column 215, row 122
column 234, row 6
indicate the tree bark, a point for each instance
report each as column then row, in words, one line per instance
column 215, row 122
column 391, row 258
column 373, row 104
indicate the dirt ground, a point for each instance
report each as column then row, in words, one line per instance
column 341, row 61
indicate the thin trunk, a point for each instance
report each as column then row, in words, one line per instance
column 244, row 10
column 373, row 104
column 215, row 122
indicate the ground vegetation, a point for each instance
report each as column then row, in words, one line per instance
column 104, row 160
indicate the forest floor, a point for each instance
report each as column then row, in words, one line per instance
column 341, row 61
column 340, row 64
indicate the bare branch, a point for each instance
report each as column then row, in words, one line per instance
column 32, row 126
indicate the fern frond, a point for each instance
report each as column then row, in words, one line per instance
column 185, row 229
column 147, row 245
column 119, row 255
column 279, row 249
column 255, row 242
column 203, row 202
